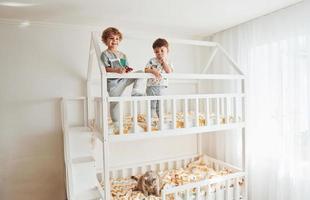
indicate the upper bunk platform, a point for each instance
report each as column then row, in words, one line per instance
column 174, row 132
column 181, row 76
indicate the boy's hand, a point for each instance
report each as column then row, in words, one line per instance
column 156, row 74
column 128, row 69
column 120, row 70
column 164, row 63
column 162, row 60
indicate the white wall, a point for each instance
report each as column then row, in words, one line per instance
column 38, row 65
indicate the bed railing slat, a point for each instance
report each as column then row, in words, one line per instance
column 161, row 114
column 207, row 112
column 197, row 111
column 185, row 113
column 135, row 116
column 174, row 118
column 217, row 111
column 197, row 193
column 121, row 119
column 149, row 116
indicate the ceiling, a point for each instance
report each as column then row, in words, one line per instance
column 188, row 17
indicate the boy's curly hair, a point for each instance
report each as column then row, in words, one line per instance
column 160, row 42
column 110, row 31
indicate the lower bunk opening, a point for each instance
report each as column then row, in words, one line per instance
column 186, row 178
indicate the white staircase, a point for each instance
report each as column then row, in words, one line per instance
column 80, row 164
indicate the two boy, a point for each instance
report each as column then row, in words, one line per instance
column 116, row 62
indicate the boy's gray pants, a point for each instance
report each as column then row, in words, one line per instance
column 116, row 88
column 155, row 91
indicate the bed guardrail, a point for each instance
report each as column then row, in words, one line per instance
column 177, row 111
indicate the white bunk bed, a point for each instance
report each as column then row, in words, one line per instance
column 87, row 139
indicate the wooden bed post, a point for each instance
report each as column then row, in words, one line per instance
column 199, row 136
column 89, row 82
column 244, row 115
column 105, row 134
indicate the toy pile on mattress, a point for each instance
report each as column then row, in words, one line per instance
column 124, row 188
column 142, row 122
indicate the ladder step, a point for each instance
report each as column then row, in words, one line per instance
column 80, row 142
column 79, row 129
column 90, row 194
column 84, row 160
column 84, row 178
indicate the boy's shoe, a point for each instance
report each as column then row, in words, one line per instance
column 154, row 114
column 137, row 94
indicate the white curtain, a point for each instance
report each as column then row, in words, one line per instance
column 274, row 52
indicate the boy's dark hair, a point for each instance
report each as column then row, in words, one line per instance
column 111, row 31
column 160, row 42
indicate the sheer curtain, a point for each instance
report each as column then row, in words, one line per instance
column 274, row 52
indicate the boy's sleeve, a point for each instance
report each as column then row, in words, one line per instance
column 105, row 60
column 127, row 63
column 149, row 63
column 171, row 66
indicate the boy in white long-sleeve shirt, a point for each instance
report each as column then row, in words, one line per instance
column 158, row 65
